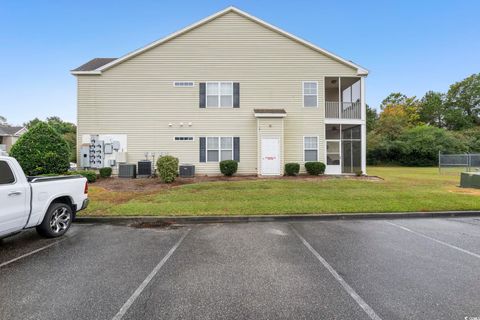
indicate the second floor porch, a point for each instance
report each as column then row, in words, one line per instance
column 343, row 98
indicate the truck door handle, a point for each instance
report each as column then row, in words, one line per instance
column 14, row 193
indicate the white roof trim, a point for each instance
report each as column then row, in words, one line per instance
column 86, row 72
column 270, row 115
column 360, row 70
column 21, row 131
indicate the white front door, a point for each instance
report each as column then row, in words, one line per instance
column 270, row 156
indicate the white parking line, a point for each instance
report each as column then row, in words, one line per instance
column 368, row 310
column 31, row 252
column 435, row 240
column 147, row 280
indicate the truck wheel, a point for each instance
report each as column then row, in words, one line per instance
column 57, row 220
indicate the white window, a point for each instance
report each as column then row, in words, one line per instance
column 184, row 84
column 219, row 149
column 219, row 94
column 183, row 138
column 226, row 145
column 310, row 148
column 310, row 94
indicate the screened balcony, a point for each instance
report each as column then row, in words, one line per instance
column 343, row 98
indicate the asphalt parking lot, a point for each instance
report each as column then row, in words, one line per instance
column 356, row 269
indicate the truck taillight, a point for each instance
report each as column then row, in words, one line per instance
column 85, row 191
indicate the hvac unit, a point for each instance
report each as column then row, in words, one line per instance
column 187, row 171
column 127, row 171
column 145, row 168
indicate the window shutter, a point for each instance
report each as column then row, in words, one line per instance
column 236, row 95
column 203, row 149
column 203, row 96
column 236, row 149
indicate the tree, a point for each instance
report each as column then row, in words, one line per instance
column 3, row 120
column 432, row 109
column 463, row 100
column 394, row 98
column 400, row 104
column 41, row 150
column 392, row 122
column 372, row 118
column 66, row 129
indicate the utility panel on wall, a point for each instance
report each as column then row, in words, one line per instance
column 104, row 150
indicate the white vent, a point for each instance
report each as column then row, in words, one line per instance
column 183, row 84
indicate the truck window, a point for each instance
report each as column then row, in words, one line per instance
column 6, row 174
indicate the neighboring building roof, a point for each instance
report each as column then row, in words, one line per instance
column 94, row 64
column 6, row 130
column 98, row 70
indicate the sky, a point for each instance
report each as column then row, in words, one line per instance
column 408, row 46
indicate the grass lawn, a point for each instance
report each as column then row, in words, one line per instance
column 403, row 189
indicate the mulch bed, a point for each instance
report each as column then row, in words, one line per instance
column 153, row 184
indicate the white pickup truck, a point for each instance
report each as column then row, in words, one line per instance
column 47, row 203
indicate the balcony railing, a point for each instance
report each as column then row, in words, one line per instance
column 343, row 110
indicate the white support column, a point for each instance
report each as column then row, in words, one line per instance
column 364, row 125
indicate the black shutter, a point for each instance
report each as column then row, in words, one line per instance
column 203, row 96
column 236, row 149
column 236, row 95
column 203, row 149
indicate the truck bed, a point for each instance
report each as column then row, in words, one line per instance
column 35, row 179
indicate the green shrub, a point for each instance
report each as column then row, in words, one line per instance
column 228, row 167
column 167, row 167
column 417, row 146
column 315, row 168
column 89, row 174
column 292, row 169
column 41, row 150
column 105, row 172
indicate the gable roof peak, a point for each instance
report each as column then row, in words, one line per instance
column 98, row 70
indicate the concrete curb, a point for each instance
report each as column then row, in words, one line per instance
column 125, row 220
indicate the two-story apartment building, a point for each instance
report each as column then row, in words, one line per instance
column 230, row 86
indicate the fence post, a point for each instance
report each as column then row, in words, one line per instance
column 439, row 163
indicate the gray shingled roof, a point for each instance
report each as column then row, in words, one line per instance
column 94, row 64
column 6, row 130
column 269, row 111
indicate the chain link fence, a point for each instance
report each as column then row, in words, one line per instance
column 455, row 163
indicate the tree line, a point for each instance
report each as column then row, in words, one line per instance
column 412, row 131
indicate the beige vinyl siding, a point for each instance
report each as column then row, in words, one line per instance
column 137, row 97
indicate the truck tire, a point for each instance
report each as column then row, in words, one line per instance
column 57, row 221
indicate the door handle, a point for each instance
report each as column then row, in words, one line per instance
column 14, row 193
